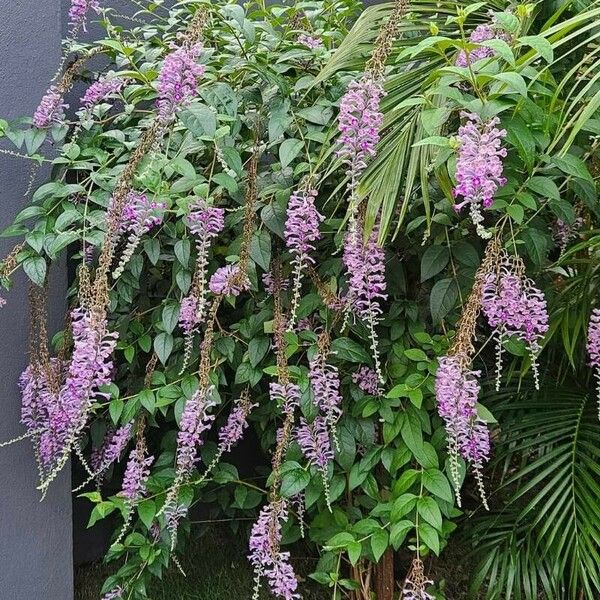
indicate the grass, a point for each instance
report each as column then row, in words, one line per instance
column 216, row 568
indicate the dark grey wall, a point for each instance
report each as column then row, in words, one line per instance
column 35, row 537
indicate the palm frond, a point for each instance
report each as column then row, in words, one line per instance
column 546, row 537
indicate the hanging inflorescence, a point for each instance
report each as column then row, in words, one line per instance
column 481, row 33
column 416, row 583
column 513, row 306
column 593, row 348
column 479, row 166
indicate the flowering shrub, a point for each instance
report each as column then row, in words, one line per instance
column 228, row 193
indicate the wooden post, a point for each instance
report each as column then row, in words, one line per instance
column 384, row 576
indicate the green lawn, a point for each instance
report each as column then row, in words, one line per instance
column 216, row 568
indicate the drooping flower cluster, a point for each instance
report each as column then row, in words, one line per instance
column 140, row 215
column 301, row 233
column 367, row 380
column 266, row 556
column 101, row 90
column 312, row 43
column 79, row 10
column 228, row 281
column 315, row 443
column 514, row 306
column 416, row 582
column 564, row 233
column 479, row 165
column 481, row 33
column 325, row 384
column 195, row 420
column 272, row 283
column 90, row 368
column 286, row 396
column 593, row 348
column 136, row 476
column 365, row 268
column 50, row 109
column 178, row 79
column 359, row 123
column 457, row 389
column 205, row 223
column 113, row 446
column 231, row 433
column 114, row 594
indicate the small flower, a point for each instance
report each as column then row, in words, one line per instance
column 79, row 10
column 312, row 43
column 113, row 446
column 313, row 439
column 563, row 233
column 101, row 90
column 205, row 221
column 178, row 79
column 480, row 34
column 228, row 281
column 114, row 594
column 367, row 380
column 50, row 109
column 272, row 284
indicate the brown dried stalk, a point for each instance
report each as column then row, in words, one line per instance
column 463, row 346
column 9, row 264
column 385, row 40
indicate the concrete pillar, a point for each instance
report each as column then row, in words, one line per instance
column 35, row 537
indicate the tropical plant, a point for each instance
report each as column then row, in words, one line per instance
column 244, row 256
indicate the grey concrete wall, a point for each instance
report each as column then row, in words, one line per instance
column 35, row 537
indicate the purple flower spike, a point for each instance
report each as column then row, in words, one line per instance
column 50, row 109
column 228, row 281
column 79, row 10
column 457, row 390
column 479, row 165
column 312, row 43
column 231, row 433
column 301, row 233
column 178, row 79
column 101, row 90
column 141, row 214
column 367, row 381
column 593, row 348
column 314, row 441
column 113, row 446
column 266, row 556
column 136, row 476
column 359, row 123
column 481, row 33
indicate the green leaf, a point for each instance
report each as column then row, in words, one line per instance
column 540, row 44
column 429, row 536
column 402, row 506
column 260, row 249
column 416, row 354
column 289, row 150
column 514, row 82
column 427, row 507
column 442, row 300
column 516, row 212
column 293, row 482
column 163, row 346
column 398, row 532
column 170, row 316
column 183, row 251
column 35, row 268
column 354, row 550
column 436, row 482
column 572, row 165
column 501, row 48
column 257, row 349
column 545, row 187
column 379, row 543
column 199, row 119
column 434, row 261
column 346, row 349
column 147, row 511
column 115, row 409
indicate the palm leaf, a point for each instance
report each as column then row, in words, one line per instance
column 546, row 537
